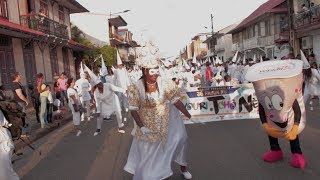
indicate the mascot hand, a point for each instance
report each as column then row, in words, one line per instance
column 292, row 135
column 271, row 131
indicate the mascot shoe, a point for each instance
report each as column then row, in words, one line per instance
column 273, row 156
column 298, row 161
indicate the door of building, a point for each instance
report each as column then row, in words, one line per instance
column 54, row 61
column 66, row 63
column 6, row 61
column 29, row 63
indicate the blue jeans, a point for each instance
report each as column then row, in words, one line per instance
column 64, row 95
column 43, row 111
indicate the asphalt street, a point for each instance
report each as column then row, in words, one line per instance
column 217, row 150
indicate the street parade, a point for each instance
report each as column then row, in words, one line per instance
column 242, row 102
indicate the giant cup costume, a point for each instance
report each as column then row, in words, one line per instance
column 278, row 86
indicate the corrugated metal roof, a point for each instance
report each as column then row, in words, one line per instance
column 268, row 7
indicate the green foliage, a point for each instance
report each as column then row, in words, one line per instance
column 109, row 53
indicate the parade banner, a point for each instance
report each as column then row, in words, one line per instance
column 221, row 103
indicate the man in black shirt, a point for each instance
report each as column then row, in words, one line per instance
column 19, row 93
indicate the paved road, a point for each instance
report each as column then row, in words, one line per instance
column 217, row 150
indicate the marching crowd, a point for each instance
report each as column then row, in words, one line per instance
column 149, row 91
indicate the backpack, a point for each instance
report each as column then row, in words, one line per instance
column 12, row 111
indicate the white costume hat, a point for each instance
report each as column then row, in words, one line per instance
column 306, row 64
column 186, row 65
column 103, row 70
column 119, row 62
column 244, row 59
column 274, row 69
column 238, row 61
column 194, row 59
column 254, row 58
column 197, row 73
column 148, row 56
column 94, row 79
column 261, row 60
column 166, row 63
column 234, row 59
column 82, row 74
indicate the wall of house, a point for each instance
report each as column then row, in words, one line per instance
column 46, row 66
column 72, row 63
column 13, row 12
column 18, row 58
column 60, row 59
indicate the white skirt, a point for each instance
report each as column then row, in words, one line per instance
column 152, row 161
column 75, row 116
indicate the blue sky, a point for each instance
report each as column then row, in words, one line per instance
column 171, row 23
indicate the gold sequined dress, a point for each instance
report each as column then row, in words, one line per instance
column 151, row 155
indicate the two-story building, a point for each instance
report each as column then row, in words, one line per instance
column 35, row 36
column 265, row 32
column 224, row 43
column 305, row 15
column 122, row 39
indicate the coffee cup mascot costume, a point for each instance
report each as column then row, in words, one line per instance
column 106, row 100
column 278, row 86
column 83, row 88
column 6, row 149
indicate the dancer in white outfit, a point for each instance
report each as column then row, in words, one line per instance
column 161, row 137
column 83, row 88
column 106, row 100
column 6, row 149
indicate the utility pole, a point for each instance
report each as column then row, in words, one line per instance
column 212, row 36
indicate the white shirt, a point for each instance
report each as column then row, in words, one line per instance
column 83, row 87
column 122, row 78
column 72, row 92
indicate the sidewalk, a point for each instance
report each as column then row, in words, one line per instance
column 34, row 130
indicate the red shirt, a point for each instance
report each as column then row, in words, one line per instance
column 208, row 73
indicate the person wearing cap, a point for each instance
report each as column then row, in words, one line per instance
column 160, row 136
column 6, row 150
column 278, row 86
column 83, row 88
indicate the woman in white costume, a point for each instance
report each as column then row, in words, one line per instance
column 83, row 88
column 311, row 80
column 74, row 104
column 161, row 135
column 106, row 101
column 6, row 149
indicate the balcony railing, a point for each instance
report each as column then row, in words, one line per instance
column 250, row 43
column 265, row 41
column 45, row 25
column 237, row 47
column 219, row 47
column 307, row 18
column 117, row 37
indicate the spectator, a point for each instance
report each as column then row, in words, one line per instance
column 20, row 95
column 42, row 89
column 62, row 83
column 2, row 94
column 74, row 104
column 35, row 98
column 55, row 77
column 49, row 105
column 208, row 74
